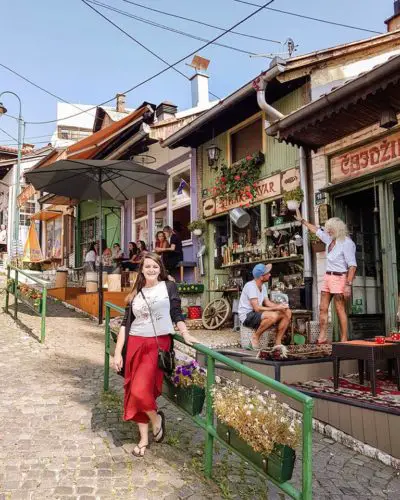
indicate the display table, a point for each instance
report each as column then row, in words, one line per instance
column 365, row 351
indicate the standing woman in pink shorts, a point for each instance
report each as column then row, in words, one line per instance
column 340, row 272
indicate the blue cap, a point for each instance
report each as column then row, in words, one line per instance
column 261, row 269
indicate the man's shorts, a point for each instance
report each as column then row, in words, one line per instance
column 334, row 284
column 253, row 319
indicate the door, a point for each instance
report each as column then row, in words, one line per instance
column 391, row 250
column 112, row 227
column 363, row 213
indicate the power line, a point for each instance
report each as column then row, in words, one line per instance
column 9, row 135
column 16, row 144
column 139, row 43
column 38, row 86
column 176, row 16
column 26, row 138
column 168, row 28
column 310, row 18
column 150, row 78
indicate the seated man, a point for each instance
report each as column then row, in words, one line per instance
column 258, row 312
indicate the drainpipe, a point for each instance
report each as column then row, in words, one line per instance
column 308, row 279
column 277, row 67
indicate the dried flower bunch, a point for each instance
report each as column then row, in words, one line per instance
column 189, row 374
column 240, row 178
column 30, row 293
column 258, row 418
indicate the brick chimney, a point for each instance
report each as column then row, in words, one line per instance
column 120, row 103
column 393, row 23
column 166, row 110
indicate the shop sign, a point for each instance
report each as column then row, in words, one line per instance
column 266, row 188
column 26, row 195
column 290, row 180
column 360, row 161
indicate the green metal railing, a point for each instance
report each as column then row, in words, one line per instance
column 207, row 423
column 14, row 290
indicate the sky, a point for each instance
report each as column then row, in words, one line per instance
column 65, row 47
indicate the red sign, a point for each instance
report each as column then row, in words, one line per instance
column 266, row 188
column 376, row 156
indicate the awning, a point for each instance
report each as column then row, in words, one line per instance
column 55, row 199
column 27, row 193
column 46, row 215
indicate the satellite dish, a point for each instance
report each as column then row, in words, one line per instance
column 239, row 217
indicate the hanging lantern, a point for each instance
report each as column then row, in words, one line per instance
column 213, row 153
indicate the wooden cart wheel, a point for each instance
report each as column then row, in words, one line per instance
column 216, row 313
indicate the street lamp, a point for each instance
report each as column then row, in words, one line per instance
column 17, row 171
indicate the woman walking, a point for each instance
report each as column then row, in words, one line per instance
column 341, row 266
column 153, row 305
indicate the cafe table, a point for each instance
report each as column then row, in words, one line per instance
column 363, row 350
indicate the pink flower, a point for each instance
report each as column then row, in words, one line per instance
column 223, row 179
column 249, row 157
column 237, row 177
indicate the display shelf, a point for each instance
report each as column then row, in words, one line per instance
column 285, row 225
column 276, row 260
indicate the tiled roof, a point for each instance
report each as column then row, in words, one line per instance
column 97, row 141
column 13, row 150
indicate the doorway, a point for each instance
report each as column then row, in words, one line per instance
column 361, row 212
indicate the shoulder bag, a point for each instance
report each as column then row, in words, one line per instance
column 166, row 359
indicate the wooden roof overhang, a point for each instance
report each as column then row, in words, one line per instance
column 345, row 110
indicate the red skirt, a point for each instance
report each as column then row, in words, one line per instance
column 143, row 378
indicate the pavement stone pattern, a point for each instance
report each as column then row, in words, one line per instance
column 62, row 438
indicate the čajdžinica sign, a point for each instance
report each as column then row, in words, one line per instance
column 270, row 187
column 369, row 158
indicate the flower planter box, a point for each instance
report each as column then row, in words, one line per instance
column 35, row 304
column 279, row 464
column 191, row 399
column 190, row 288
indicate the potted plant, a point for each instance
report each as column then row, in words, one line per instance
column 30, row 296
column 260, row 428
column 294, row 198
column 316, row 244
column 185, row 387
column 197, row 227
column 10, row 285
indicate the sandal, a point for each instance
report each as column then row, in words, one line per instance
column 157, row 437
column 139, row 454
column 252, row 348
column 322, row 342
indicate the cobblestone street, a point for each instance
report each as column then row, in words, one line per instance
column 61, row 437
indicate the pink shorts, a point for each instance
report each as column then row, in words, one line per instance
column 334, row 284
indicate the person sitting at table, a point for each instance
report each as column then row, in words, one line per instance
column 117, row 253
column 90, row 259
column 108, row 265
column 341, row 267
column 258, row 312
column 142, row 251
column 132, row 249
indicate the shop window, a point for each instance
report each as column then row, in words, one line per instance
column 25, row 213
column 246, row 141
column 250, row 235
column 180, row 221
column 160, row 221
column 88, row 232
column 140, row 207
column 141, row 230
column 53, row 238
column 181, row 189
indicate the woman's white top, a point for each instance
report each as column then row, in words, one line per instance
column 90, row 256
column 158, row 300
column 343, row 254
column 3, row 236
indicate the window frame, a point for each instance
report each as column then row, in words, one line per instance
column 158, row 208
column 241, row 125
column 173, row 172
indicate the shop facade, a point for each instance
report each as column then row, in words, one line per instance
column 355, row 175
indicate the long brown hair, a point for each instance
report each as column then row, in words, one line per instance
column 141, row 280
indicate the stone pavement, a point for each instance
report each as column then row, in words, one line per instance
column 61, row 438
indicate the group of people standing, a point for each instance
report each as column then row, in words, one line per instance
column 168, row 245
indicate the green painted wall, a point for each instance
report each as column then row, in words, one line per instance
column 278, row 156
